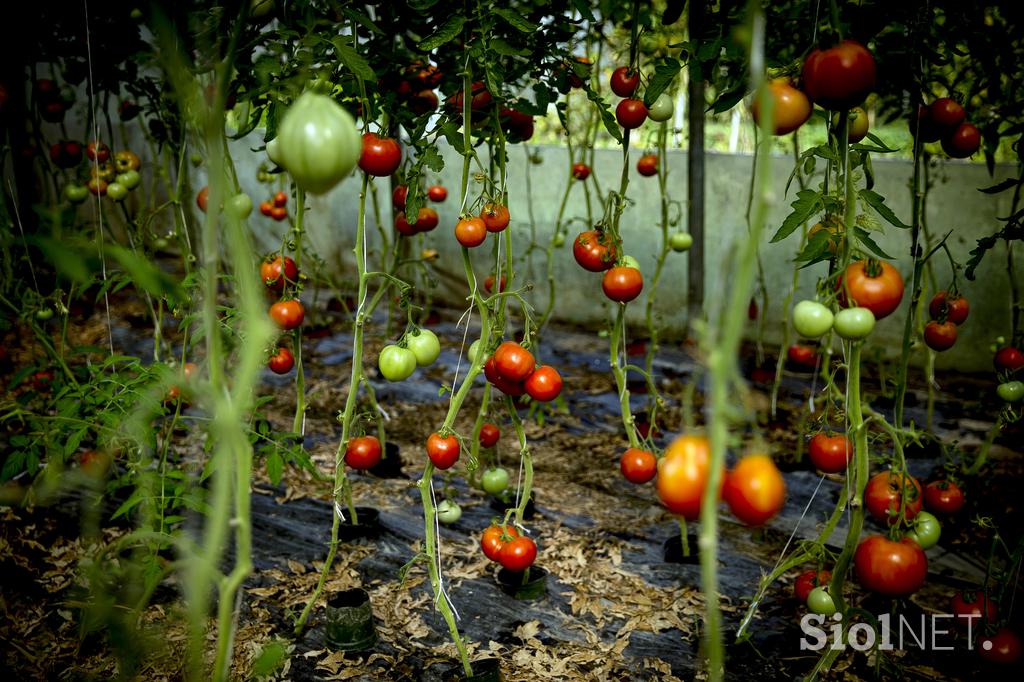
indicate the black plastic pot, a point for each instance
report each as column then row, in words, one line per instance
column 348, row 623
column 484, row 670
column 390, row 465
column 672, row 550
column 535, row 586
column 500, row 504
column 369, row 524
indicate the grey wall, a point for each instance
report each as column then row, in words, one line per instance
column 954, row 204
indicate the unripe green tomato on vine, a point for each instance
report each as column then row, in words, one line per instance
column 680, row 241
column 317, row 143
column 662, row 108
column 811, row 319
column 854, row 324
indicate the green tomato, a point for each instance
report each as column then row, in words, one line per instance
column 473, row 348
column 196, row 160
column 240, row 206
column 680, row 241
column 424, row 345
column 559, row 240
column 117, row 191
column 854, row 324
column 811, row 319
column 926, row 530
column 44, row 313
column 160, row 243
column 317, row 142
column 662, row 108
column 630, row 262
column 820, row 601
column 136, row 14
column 448, row 511
column 1011, row 391
column 76, row 194
column 494, row 480
column 130, row 179
column 396, row 363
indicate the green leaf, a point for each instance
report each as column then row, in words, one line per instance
column 137, row 496
column 610, row 124
column 1001, row 187
column 454, row 137
column 352, row 60
column 275, row 467
column 432, row 159
column 501, row 46
column 865, row 238
column 364, row 21
column 729, row 99
column 879, row 146
column 664, row 74
column 583, row 7
column 516, row 20
column 807, row 203
column 270, row 659
column 444, row 34
column 877, row 202
column 145, row 274
column 673, row 10
column 69, row 260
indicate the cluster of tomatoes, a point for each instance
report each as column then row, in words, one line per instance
column 109, row 176
column 631, row 112
column 287, row 314
column 276, row 207
column 945, row 120
column 1008, row 360
column 595, row 251
column 505, row 545
column 426, row 218
column 495, row 479
column 52, row 100
column 513, row 370
column 416, row 87
column 416, row 348
column 517, row 126
column 471, row 231
column 947, row 311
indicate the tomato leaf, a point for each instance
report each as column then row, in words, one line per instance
column 879, row 146
column 1013, row 231
column 145, row 275
column 865, row 238
column 73, row 262
column 664, row 74
column 275, row 467
column 444, row 34
column 877, row 202
column 270, row 659
column 501, row 46
column 432, row 159
column 807, row 203
column 517, row 21
column 363, row 20
column 727, row 100
column 610, row 124
column 673, row 10
column 1001, row 187
column 583, row 7
column 352, row 60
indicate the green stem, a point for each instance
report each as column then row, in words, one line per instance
column 298, row 424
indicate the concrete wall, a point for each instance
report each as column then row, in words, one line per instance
column 954, row 204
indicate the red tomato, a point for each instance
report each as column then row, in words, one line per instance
column 517, row 125
column 755, row 490
column 97, row 151
column 1003, row 647
column 423, row 102
column 436, row 193
column 580, row 171
column 512, row 388
column 288, row 314
column 807, row 581
column 273, row 267
column 946, row 114
column 943, row 497
column 381, row 155
column 282, row 361
column 266, row 208
column 790, row 107
column 840, row 77
column 683, row 475
column 624, row 81
column 971, row 607
column 945, row 307
column 638, row 466
column 647, row 165
column 1008, row 359
column 594, row 251
column 489, row 435
column 874, row 285
column 940, row 336
column 399, row 196
column 443, row 452
column 924, row 127
column 962, row 142
column 280, row 199
column 803, row 356
column 894, row 569
column 518, row 554
column 622, row 284
column 202, row 198
column 402, row 225
column 544, row 384
column 494, row 538
column 279, row 213
column 95, row 464
column 830, row 454
column 363, row 452
column 495, row 217
column 631, row 113
column 471, row 232
column 513, row 362
column 480, row 98
column 41, row 381
column 883, row 492
column 489, row 283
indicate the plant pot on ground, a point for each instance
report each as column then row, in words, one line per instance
column 348, row 621
column 526, row 585
column 368, row 526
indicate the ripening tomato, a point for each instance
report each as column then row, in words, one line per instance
column 489, row 435
column 399, row 196
column 282, row 361
column 624, row 81
column 363, row 452
column 435, row 193
column 381, row 156
column 647, row 165
column 518, row 126
column 480, row 99
column 894, row 569
column 545, row 384
column 830, row 454
column 840, row 77
column 202, row 198
column 97, row 151
column 1003, row 647
column 580, row 171
column 882, row 496
column 807, row 581
column 495, row 217
column 683, row 475
column 802, row 356
column 944, row 306
column 971, row 607
column 66, row 154
column 790, row 107
column 946, row 115
column 857, row 128
column 631, row 113
column 275, row 271
column 943, row 497
column 513, row 362
column 518, row 554
column 489, row 284
column 511, row 388
column 267, row 208
column 279, row 213
column 287, row 314
column 755, row 490
column 280, row 199
column 495, row 537
column 594, row 251
column 940, row 336
column 962, row 142
column 1008, row 359
column 443, row 451
column 638, row 466
column 622, row 284
column 872, row 284
column 471, row 232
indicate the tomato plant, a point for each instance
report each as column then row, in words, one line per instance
column 495, row 217
column 275, row 271
column 940, row 336
column 839, row 77
column 544, row 384
column 425, row 345
column 282, row 361
column 872, row 284
column 807, row 581
column 518, row 554
column 494, row 480
column 631, row 113
column 811, row 319
column 647, row 165
column 489, row 435
column 494, row 538
column 624, row 81
column 380, row 156
column 317, row 143
column 946, row 307
column 513, row 362
column 821, row 602
column 974, row 608
column 471, row 232
column 1004, row 647
column 790, row 107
